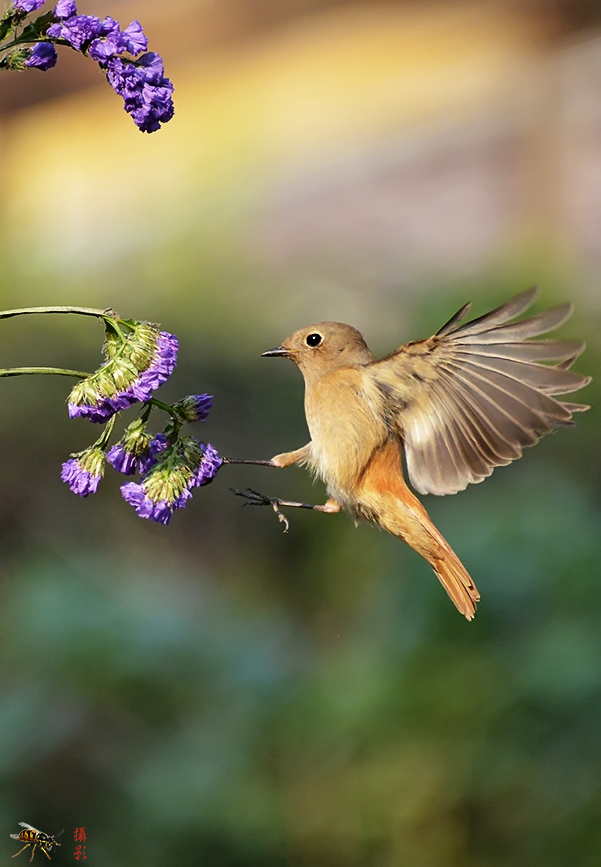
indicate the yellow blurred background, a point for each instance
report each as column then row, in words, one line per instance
column 215, row 692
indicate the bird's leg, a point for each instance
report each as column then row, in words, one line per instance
column 286, row 459
column 255, row 498
column 258, row 463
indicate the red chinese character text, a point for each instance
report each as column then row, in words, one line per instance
column 80, row 835
column 80, row 851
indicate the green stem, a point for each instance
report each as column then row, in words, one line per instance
column 160, row 405
column 105, row 436
column 31, row 39
column 60, row 371
column 83, row 311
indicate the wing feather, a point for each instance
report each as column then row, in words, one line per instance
column 474, row 395
column 512, row 308
column 457, row 317
column 542, row 323
column 552, row 380
column 541, row 350
column 483, row 448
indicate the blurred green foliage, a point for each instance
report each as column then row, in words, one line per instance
column 218, row 693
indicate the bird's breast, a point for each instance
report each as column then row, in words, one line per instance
column 346, row 427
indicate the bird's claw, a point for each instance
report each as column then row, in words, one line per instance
column 256, row 498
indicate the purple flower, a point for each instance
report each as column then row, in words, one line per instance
column 209, row 466
column 122, row 460
column 78, row 30
column 42, row 57
column 194, row 407
column 106, row 47
column 65, row 9
column 28, row 5
column 84, row 471
column 103, row 410
column 101, row 49
column 151, row 67
column 110, row 41
column 108, row 25
column 134, row 37
column 204, row 404
column 158, row 445
column 125, row 461
column 160, row 510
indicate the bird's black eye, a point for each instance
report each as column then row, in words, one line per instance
column 313, row 339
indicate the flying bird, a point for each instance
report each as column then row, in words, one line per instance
column 464, row 401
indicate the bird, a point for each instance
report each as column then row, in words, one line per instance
column 457, row 405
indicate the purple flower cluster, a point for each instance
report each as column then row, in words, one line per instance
column 100, row 39
column 156, row 502
column 127, row 462
column 141, row 83
column 28, row 6
column 84, row 471
column 160, row 511
column 209, row 466
column 79, row 480
column 146, row 93
column 158, row 371
column 42, row 57
column 139, row 359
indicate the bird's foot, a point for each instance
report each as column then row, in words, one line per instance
column 256, row 498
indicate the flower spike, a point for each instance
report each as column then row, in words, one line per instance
column 134, row 369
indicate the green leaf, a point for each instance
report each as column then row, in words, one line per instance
column 7, row 23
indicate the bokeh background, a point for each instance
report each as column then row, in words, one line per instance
column 216, row 692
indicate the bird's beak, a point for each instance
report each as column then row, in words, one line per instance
column 279, row 351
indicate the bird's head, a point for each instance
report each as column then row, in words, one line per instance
column 319, row 349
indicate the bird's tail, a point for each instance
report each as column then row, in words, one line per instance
column 386, row 499
column 410, row 522
column 452, row 574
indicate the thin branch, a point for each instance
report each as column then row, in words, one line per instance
column 59, row 371
column 83, row 311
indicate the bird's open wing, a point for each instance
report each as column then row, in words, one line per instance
column 471, row 397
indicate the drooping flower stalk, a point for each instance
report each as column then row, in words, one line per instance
column 135, row 74
column 139, row 358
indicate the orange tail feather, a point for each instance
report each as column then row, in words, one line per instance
column 383, row 497
column 454, row 577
